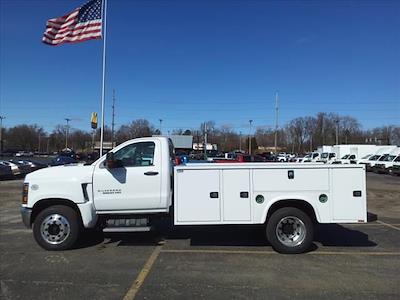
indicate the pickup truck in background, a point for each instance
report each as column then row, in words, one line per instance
column 136, row 184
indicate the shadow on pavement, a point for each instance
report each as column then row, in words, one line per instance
column 337, row 235
column 224, row 235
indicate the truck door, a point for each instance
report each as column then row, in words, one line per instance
column 135, row 184
column 236, row 195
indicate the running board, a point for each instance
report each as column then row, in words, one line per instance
column 127, row 229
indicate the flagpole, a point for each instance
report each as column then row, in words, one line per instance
column 103, row 89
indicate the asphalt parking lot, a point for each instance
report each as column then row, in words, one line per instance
column 359, row 261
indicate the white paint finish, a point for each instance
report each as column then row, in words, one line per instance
column 192, row 196
column 260, row 211
column 307, row 179
column 88, row 213
column 63, row 182
column 128, row 188
column 236, row 208
column 347, row 208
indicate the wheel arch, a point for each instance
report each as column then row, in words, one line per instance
column 45, row 203
column 301, row 204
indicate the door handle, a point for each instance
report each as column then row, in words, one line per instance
column 214, row 195
column 151, row 173
column 244, row 194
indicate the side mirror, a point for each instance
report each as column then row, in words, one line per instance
column 110, row 161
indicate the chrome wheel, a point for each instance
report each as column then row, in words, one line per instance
column 55, row 229
column 291, row 231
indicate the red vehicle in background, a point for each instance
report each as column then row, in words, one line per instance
column 241, row 158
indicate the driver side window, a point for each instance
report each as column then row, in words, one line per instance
column 137, row 154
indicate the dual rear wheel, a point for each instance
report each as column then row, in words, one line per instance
column 290, row 230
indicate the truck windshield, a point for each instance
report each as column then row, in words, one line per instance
column 346, row 156
column 389, row 158
column 374, row 157
column 366, row 156
column 383, row 157
column 324, row 155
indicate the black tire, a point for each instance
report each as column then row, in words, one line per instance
column 67, row 225
column 304, row 232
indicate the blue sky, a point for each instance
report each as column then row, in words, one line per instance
column 190, row 61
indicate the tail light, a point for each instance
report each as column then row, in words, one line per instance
column 25, row 193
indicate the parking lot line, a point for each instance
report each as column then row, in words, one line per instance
column 219, row 251
column 143, row 274
column 389, row 225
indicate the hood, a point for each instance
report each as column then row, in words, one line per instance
column 74, row 172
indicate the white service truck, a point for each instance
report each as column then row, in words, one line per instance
column 136, row 183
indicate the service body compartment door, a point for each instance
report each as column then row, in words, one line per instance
column 349, row 195
column 278, row 180
column 236, row 195
column 197, row 196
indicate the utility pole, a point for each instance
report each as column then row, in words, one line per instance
column 323, row 129
column 276, row 121
column 66, row 132
column 1, row 133
column 337, row 131
column 113, row 118
column 160, row 120
column 240, row 141
column 39, row 144
column 250, row 121
column 205, row 140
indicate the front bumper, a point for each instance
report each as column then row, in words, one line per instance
column 26, row 216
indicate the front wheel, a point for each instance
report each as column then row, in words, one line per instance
column 290, row 230
column 56, row 228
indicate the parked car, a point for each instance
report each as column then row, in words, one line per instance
column 364, row 159
column 14, row 168
column 347, row 159
column 281, row 157
column 24, row 154
column 327, row 157
column 386, row 166
column 396, row 167
column 23, row 167
column 375, row 159
column 68, row 153
column 63, row 160
column 5, row 172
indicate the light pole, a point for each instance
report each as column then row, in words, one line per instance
column 337, row 131
column 250, row 121
column 1, row 133
column 66, row 132
column 160, row 125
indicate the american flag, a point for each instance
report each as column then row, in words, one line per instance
column 83, row 24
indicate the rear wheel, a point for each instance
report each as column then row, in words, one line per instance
column 290, row 230
column 56, row 227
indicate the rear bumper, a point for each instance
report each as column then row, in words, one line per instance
column 26, row 216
